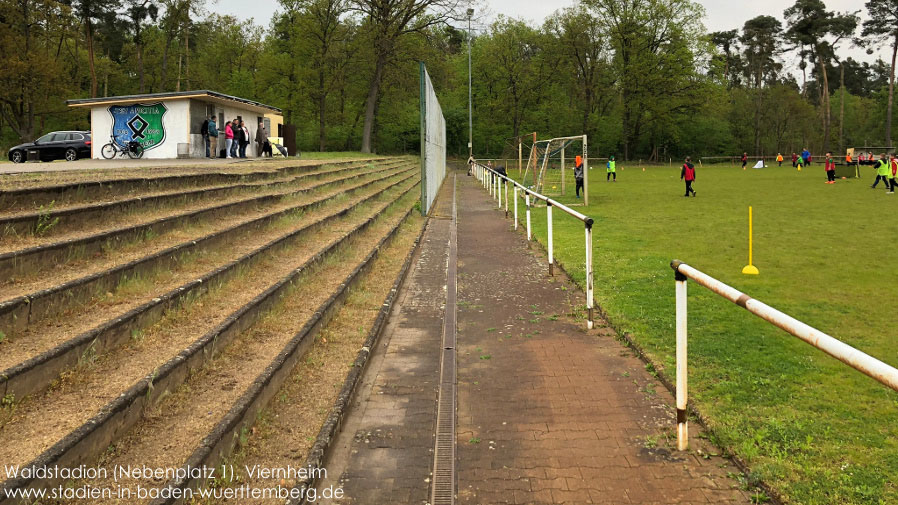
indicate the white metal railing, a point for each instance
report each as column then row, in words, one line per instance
column 497, row 184
column 843, row 352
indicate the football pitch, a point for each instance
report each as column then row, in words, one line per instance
column 814, row 429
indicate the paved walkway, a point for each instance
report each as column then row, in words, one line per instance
column 547, row 412
column 384, row 452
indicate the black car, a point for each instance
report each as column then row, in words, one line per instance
column 69, row 145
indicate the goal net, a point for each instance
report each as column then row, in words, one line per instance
column 550, row 165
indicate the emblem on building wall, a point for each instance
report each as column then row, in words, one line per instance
column 140, row 122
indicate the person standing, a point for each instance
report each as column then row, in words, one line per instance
column 235, row 146
column 830, row 169
column 578, row 174
column 244, row 138
column 229, row 139
column 687, row 173
column 744, row 160
column 794, row 160
column 262, row 140
column 893, row 183
column 204, row 131
column 612, row 169
column 212, row 128
column 779, row 158
column 882, row 171
column 806, row 157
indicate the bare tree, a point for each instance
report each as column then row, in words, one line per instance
column 389, row 21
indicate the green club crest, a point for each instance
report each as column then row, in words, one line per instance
column 140, row 122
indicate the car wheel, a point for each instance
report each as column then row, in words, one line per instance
column 71, row 154
column 18, row 157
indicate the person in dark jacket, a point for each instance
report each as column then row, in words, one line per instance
column 578, row 175
column 744, row 160
column 264, row 147
column 882, row 171
column 204, row 131
column 212, row 130
column 687, row 173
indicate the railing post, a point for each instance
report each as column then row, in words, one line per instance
column 590, row 322
column 527, row 202
column 682, row 423
column 551, row 255
column 499, row 183
column 515, row 207
column 506, row 198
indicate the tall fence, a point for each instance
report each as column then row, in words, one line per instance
column 499, row 185
column 433, row 143
column 843, row 352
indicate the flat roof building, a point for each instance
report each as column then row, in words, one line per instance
column 168, row 125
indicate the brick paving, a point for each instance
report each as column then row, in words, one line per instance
column 384, row 453
column 547, row 411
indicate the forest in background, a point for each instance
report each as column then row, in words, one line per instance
column 643, row 78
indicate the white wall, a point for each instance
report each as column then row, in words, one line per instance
column 250, row 118
column 175, row 122
column 177, row 129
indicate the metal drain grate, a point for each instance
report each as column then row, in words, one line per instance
column 443, row 490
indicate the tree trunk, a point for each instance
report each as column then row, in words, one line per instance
column 187, row 56
column 322, row 105
column 90, row 58
column 841, row 108
column 891, row 95
column 371, row 103
column 178, row 82
column 140, row 66
column 826, row 111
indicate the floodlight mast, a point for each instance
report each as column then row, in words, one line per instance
column 470, row 101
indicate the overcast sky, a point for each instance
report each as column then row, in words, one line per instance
column 721, row 14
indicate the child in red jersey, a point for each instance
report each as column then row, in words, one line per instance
column 688, row 174
column 830, row 169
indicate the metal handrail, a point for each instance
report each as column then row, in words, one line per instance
column 495, row 182
column 860, row 361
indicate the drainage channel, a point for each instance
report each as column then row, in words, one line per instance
column 444, row 481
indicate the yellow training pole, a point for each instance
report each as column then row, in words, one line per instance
column 750, row 269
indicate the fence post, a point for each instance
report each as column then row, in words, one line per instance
column 549, row 220
column 589, row 281
column 515, row 207
column 682, row 423
column 506, row 198
column 499, row 183
column 527, row 202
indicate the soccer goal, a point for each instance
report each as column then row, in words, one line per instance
column 550, row 166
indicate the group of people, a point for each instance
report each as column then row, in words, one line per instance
column 236, row 136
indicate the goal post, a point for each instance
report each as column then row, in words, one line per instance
column 553, row 162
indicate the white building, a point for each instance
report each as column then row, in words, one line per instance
column 168, row 124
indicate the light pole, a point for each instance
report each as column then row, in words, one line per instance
column 470, row 112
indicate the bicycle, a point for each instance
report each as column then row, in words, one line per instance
column 133, row 149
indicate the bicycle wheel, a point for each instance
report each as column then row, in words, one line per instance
column 136, row 152
column 108, row 151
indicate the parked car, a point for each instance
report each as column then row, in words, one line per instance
column 67, row 145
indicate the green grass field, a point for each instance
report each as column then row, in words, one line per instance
column 814, row 429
